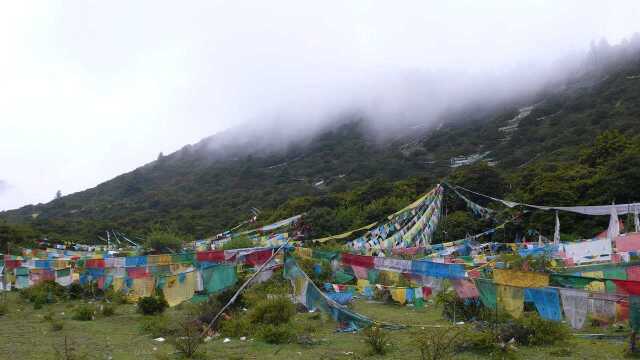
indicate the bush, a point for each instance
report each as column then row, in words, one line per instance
column 157, row 326
column 236, row 327
column 438, row 343
column 454, row 308
column 275, row 286
column 46, row 292
column 151, row 305
column 68, row 351
column 487, row 341
column 4, row 307
column 273, row 311
column 116, row 297
column 377, row 340
column 84, row 313
column 188, row 340
column 108, row 310
column 75, row 291
column 276, row 334
column 162, row 240
column 543, row 332
column 57, row 324
column 90, row 290
column 207, row 310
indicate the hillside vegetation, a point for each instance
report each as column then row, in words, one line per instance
column 574, row 143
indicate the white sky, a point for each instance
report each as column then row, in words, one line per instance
column 89, row 90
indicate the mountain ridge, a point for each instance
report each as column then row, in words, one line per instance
column 201, row 189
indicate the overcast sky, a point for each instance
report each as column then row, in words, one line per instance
column 89, row 90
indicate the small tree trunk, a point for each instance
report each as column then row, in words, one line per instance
column 632, row 342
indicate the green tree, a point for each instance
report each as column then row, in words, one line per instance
column 161, row 240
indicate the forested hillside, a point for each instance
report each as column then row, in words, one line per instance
column 573, row 143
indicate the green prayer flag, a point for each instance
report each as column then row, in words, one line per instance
column 372, row 276
column 218, row 277
column 570, row 281
column 342, row 278
column 323, row 254
column 487, row 291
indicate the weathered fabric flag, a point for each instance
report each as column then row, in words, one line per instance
column 547, row 303
column 517, row 278
column 510, row 300
column 575, row 305
column 487, row 291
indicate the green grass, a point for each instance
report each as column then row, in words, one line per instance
column 25, row 335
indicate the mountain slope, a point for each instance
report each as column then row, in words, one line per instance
column 207, row 187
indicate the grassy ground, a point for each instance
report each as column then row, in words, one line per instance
column 24, row 334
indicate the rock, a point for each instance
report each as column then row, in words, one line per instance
column 160, row 339
column 243, row 338
column 226, row 340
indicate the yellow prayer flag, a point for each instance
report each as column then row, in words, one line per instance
column 510, row 300
column 176, row 292
column 399, row 295
column 361, row 284
column 524, row 279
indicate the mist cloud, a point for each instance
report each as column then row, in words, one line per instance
column 92, row 90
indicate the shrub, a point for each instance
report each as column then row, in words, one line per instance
column 48, row 316
column 309, row 266
column 116, row 297
column 90, row 290
column 377, row 340
column 543, row 332
column 4, row 307
column 189, row 339
column 67, row 351
column 45, row 292
column 207, row 310
column 273, row 311
column 57, row 324
column 151, row 305
column 157, row 326
column 107, row 310
column 75, row 291
column 487, row 341
column 162, row 240
column 276, row 334
column 275, row 286
column 84, row 313
column 454, row 308
column 237, row 326
column 438, row 343
column 225, row 296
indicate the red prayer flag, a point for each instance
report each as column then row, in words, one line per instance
column 137, row 272
column 358, row 260
column 628, row 287
column 12, row 264
column 426, row 292
column 94, row 263
column 258, row 257
column 212, row 255
column 633, row 273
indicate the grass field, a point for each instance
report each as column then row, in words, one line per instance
column 24, row 334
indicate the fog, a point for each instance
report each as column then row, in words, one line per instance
column 92, row 90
